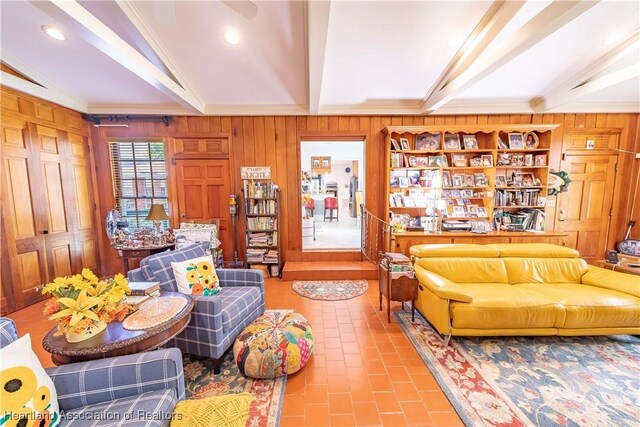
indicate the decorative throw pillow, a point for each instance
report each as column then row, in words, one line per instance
column 26, row 391
column 231, row 410
column 189, row 233
column 196, row 276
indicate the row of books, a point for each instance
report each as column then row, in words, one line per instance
column 526, row 197
column 265, row 223
column 259, row 190
column 522, row 220
column 261, row 207
column 262, row 239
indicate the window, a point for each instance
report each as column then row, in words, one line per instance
column 139, row 174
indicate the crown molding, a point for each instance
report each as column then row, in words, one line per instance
column 156, row 109
column 48, row 94
column 256, row 110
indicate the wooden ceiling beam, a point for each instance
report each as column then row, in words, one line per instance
column 594, row 77
column 82, row 23
column 317, row 29
column 549, row 20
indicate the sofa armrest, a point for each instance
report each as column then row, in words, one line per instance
column 614, row 280
column 8, row 331
column 97, row 381
column 240, row 277
column 442, row 287
column 136, row 275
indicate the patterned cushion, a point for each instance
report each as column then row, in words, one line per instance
column 221, row 411
column 275, row 344
column 158, row 267
column 196, row 276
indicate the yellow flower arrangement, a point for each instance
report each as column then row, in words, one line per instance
column 82, row 299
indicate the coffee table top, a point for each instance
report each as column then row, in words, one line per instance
column 116, row 340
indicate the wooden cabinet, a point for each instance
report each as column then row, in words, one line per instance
column 48, row 224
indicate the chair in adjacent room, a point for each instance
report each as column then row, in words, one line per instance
column 330, row 205
column 310, row 207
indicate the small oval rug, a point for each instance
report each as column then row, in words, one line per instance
column 330, row 290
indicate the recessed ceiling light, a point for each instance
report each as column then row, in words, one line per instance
column 614, row 38
column 53, row 32
column 455, row 41
column 232, row 36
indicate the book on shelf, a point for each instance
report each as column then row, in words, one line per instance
column 264, row 223
column 260, row 190
column 143, row 288
column 261, row 207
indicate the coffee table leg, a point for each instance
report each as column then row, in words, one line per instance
column 380, row 292
column 413, row 311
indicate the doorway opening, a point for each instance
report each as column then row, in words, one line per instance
column 332, row 191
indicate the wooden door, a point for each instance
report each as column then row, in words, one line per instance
column 23, row 223
column 584, row 211
column 203, row 188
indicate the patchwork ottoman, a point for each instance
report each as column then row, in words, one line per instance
column 275, row 344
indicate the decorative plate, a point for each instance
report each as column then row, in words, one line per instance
column 154, row 312
column 531, row 140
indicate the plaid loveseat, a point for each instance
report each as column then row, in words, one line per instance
column 216, row 320
column 134, row 390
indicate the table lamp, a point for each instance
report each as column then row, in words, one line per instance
column 157, row 214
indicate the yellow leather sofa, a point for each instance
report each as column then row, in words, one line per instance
column 522, row 289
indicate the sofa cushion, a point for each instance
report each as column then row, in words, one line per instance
column 503, row 306
column 545, row 270
column 589, row 306
column 462, row 250
column 534, row 250
column 153, row 408
column 160, row 265
column 478, row 270
column 237, row 304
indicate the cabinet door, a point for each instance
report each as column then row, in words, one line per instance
column 23, row 227
column 203, row 188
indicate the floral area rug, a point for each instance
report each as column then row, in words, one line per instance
column 534, row 381
column 268, row 395
column 330, row 290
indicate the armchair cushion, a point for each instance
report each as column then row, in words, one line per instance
column 150, row 409
column 104, row 380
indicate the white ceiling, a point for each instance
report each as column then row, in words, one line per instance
column 321, row 57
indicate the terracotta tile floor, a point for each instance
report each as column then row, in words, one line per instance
column 364, row 371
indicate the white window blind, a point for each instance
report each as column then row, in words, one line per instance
column 139, row 175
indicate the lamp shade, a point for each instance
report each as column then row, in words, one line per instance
column 157, row 213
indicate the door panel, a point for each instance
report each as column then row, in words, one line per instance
column 57, row 217
column 203, row 188
column 585, row 208
column 19, row 195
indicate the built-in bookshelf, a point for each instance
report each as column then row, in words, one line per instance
column 481, row 178
column 262, row 220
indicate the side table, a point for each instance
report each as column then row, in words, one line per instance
column 129, row 254
column 397, row 289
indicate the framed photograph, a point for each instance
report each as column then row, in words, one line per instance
column 475, row 162
column 487, row 160
column 457, row 180
column 414, row 177
column 443, row 161
column 482, row 212
column 515, row 141
column 526, row 179
column 446, row 179
column 528, row 159
column 455, row 194
column 468, row 181
column 531, row 140
column 451, row 141
column 428, row 142
column 404, row 143
column 481, row 179
column 466, row 194
column 501, row 181
column 517, row 159
column 480, row 227
column 470, row 142
column 458, row 212
column 540, row 160
column 542, row 201
column 504, row 159
column 459, row 160
column 403, row 182
column 472, row 211
column 394, row 144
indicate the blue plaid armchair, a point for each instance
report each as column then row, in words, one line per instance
column 216, row 320
column 135, row 390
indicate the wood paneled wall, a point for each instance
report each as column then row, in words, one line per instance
column 275, row 141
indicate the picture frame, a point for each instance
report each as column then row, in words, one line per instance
column 451, row 141
column 395, row 145
column 466, row 194
column 404, row 144
column 443, row 161
column 470, row 142
column 456, row 180
column 428, row 141
column 526, row 179
column 482, row 212
column 531, row 140
column 528, row 159
column 542, row 201
column 459, row 160
column 403, row 182
column 540, row 160
column 472, row 211
column 480, row 227
column 503, row 159
column 469, row 181
column 446, row 179
column 501, row 181
column 481, row 179
column 487, row 160
column 515, row 141
column 455, row 194
column 475, row 162
column 458, row 212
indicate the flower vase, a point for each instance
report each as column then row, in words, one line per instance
column 91, row 331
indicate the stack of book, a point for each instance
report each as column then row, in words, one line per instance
column 140, row 292
column 260, row 239
column 271, row 257
column 255, row 255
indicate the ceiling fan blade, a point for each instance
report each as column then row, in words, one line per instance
column 246, row 8
column 164, row 13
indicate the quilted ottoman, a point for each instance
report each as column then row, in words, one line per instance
column 275, row 344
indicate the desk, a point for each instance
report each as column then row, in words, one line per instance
column 115, row 340
column 129, row 254
column 621, row 267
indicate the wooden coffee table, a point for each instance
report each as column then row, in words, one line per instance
column 117, row 341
